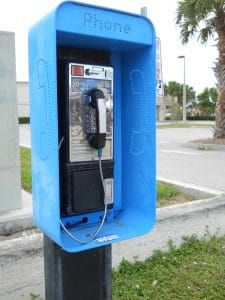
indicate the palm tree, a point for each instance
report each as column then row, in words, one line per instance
column 207, row 19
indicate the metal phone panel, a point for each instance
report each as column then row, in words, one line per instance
column 83, row 78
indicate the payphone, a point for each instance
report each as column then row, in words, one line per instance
column 92, row 106
column 85, row 111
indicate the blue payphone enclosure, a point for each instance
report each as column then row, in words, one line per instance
column 130, row 39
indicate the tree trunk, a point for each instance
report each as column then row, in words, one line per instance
column 219, row 131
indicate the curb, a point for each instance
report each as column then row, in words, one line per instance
column 16, row 220
column 202, row 206
column 172, row 222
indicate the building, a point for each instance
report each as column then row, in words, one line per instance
column 163, row 107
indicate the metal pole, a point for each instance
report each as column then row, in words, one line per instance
column 82, row 276
column 184, row 90
column 144, row 11
column 184, row 95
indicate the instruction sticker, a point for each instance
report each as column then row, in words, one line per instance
column 107, row 238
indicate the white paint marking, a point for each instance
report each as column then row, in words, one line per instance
column 180, row 152
column 191, row 186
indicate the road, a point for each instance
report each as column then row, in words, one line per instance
column 177, row 162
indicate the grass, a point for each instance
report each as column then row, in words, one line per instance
column 167, row 194
column 205, row 148
column 196, row 270
column 35, row 296
column 166, row 190
column 25, row 161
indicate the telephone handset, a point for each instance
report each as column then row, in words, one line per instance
column 97, row 139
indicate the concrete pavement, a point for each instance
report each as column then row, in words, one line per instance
column 177, row 162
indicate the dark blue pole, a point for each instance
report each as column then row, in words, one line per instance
column 85, row 275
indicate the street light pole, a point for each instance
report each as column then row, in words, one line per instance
column 144, row 11
column 184, row 90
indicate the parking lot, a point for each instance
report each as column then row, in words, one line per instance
column 177, row 162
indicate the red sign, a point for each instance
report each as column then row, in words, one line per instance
column 77, row 70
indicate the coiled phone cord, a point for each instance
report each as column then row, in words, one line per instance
column 105, row 209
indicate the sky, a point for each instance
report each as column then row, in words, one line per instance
column 19, row 16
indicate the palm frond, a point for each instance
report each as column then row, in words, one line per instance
column 205, row 33
column 195, row 16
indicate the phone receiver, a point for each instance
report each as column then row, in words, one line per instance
column 98, row 139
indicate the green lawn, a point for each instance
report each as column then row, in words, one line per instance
column 168, row 194
column 196, row 270
column 25, row 168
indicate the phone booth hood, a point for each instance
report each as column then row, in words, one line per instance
column 130, row 40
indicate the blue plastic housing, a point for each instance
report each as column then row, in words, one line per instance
column 130, row 39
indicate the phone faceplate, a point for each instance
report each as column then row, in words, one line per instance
column 82, row 117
